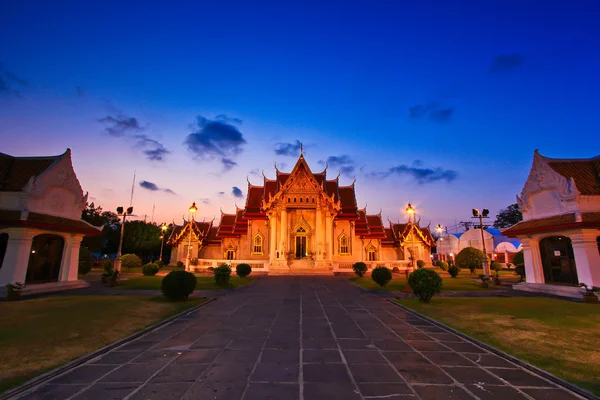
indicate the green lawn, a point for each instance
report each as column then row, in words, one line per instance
column 561, row 337
column 203, row 283
column 38, row 335
column 398, row 283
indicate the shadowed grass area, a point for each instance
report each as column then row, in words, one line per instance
column 38, row 335
column 398, row 283
column 561, row 337
column 203, row 283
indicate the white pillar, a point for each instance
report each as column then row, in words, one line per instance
column 283, row 238
column 16, row 259
column 74, row 268
column 272, row 237
column 66, row 262
column 329, row 236
column 534, row 272
column 587, row 257
column 319, row 235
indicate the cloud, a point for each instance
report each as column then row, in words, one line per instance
column 216, row 139
column 421, row 174
column 119, row 125
column 153, row 149
column 281, row 165
column 506, row 62
column 221, row 194
column 344, row 163
column 255, row 172
column 237, row 192
column 8, row 81
column 154, row 187
column 205, row 201
column 288, row 149
column 432, row 111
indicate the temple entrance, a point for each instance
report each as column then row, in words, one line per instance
column 558, row 260
column 301, row 243
column 45, row 259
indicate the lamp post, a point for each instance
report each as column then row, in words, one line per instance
column 481, row 215
column 439, row 230
column 411, row 211
column 163, row 228
column 121, row 212
column 188, row 260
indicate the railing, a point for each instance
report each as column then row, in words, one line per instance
column 347, row 266
column 203, row 264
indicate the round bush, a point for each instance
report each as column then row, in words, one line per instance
column 150, row 269
column 420, row 264
column 425, row 283
column 453, row 270
column 443, row 265
column 395, row 269
column 178, row 285
column 180, row 264
column 85, row 261
column 360, row 268
column 222, row 274
column 243, row 270
column 194, row 261
column 381, row 275
column 107, row 265
column 496, row 266
column 518, row 258
column 469, row 257
column 130, row 261
column 160, row 263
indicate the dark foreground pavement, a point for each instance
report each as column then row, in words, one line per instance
column 299, row 338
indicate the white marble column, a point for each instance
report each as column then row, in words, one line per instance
column 74, row 267
column 319, row 234
column 283, row 238
column 329, row 236
column 16, row 259
column 272, row 237
column 587, row 257
column 534, row 272
column 65, row 262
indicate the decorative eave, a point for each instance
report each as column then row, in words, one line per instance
column 543, row 177
column 412, row 227
column 190, row 228
column 587, row 220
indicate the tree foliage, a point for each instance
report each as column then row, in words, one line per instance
column 508, row 216
column 518, row 259
column 470, row 257
column 425, row 283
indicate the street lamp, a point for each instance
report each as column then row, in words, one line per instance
column 163, row 228
column 124, row 213
column 440, row 230
column 481, row 215
column 411, row 211
column 192, row 211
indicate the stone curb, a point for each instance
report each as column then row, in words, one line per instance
column 559, row 381
column 83, row 359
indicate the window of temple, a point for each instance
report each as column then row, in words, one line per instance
column 289, row 200
column 230, row 255
column 371, row 255
column 257, row 244
column 294, row 199
column 313, row 199
column 300, row 199
column 344, row 248
column 307, row 199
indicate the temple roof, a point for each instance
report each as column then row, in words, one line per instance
column 15, row 218
column 15, row 172
column 585, row 172
column 402, row 232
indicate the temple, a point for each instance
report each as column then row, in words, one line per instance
column 300, row 222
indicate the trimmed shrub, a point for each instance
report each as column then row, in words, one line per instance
column 180, row 264
column 107, row 265
column 211, row 269
column 420, row 264
column 453, row 270
column 130, row 261
column 160, row 263
column 495, row 266
column 425, row 283
column 520, row 270
column 508, row 265
column 243, row 270
column 360, row 268
column 518, row 258
column 395, row 269
column 194, row 261
column 222, row 274
column 443, row 265
column 85, row 261
column 150, row 269
column 381, row 275
column 178, row 285
column 469, row 257
column 450, row 261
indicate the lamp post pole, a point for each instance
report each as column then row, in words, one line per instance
column 481, row 215
column 188, row 260
column 411, row 211
column 440, row 230
column 163, row 228
column 124, row 213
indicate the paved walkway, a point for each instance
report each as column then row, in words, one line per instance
column 298, row 338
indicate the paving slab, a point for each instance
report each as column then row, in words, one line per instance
column 304, row 337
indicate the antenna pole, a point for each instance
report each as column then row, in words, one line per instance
column 132, row 187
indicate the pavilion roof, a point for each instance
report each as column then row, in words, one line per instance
column 15, row 172
column 15, row 218
column 585, row 173
column 554, row 223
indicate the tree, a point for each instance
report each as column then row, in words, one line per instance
column 469, row 257
column 95, row 216
column 508, row 216
column 143, row 239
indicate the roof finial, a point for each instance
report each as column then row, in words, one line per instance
column 276, row 166
column 301, row 149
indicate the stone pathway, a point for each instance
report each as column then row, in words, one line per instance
column 299, row 338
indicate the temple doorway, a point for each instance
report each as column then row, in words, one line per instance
column 301, row 243
column 558, row 260
column 45, row 259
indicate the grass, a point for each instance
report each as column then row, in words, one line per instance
column 203, row 283
column 465, row 282
column 38, row 335
column 558, row 336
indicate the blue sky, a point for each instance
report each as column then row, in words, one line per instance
column 436, row 103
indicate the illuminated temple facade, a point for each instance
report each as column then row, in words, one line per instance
column 300, row 222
